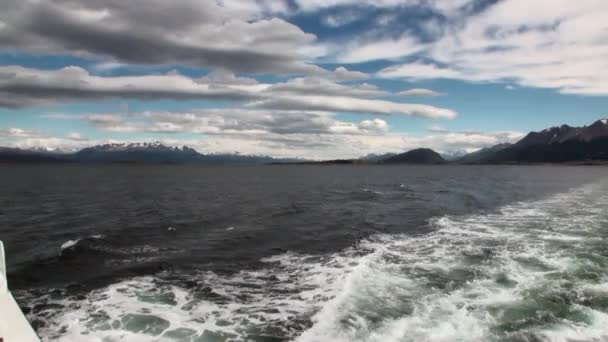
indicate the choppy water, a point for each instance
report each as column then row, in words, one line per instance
column 329, row 254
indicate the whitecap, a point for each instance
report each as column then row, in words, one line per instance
column 69, row 244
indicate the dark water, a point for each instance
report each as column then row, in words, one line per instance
column 308, row 253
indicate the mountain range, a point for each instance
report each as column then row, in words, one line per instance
column 551, row 145
column 155, row 152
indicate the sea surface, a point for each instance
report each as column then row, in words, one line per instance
column 308, row 253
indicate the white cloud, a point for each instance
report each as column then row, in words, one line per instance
column 75, row 136
column 437, row 129
column 235, row 122
column 22, row 86
column 562, row 46
column 322, row 86
column 108, row 66
column 356, row 105
column 369, row 50
column 374, row 125
column 25, row 87
column 418, row 71
column 17, row 132
column 420, row 92
column 343, row 74
column 60, row 116
column 26, row 138
column 233, row 35
column 113, row 123
column 441, row 6
column 344, row 17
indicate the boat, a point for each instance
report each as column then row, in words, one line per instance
column 14, row 326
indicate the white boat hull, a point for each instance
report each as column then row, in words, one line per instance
column 14, row 326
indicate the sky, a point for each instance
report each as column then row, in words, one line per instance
column 316, row 79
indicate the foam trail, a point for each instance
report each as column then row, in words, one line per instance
column 519, row 274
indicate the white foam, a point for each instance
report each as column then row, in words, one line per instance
column 72, row 243
column 247, row 300
column 69, row 244
column 520, row 248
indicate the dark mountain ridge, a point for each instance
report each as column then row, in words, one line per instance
column 482, row 154
column 9, row 154
column 552, row 145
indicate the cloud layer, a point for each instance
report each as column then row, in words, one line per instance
column 22, row 87
column 197, row 33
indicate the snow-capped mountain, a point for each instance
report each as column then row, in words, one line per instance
column 137, row 152
column 139, row 146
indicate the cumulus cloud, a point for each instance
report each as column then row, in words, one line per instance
column 198, row 33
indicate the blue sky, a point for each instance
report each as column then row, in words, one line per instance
column 317, row 79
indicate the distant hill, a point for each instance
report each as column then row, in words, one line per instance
column 453, row 155
column 417, row 156
column 134, row 153
column 16, row 155
column 555, row 145
column 377, row 157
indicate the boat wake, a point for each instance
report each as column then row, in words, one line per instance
column 529, row 271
